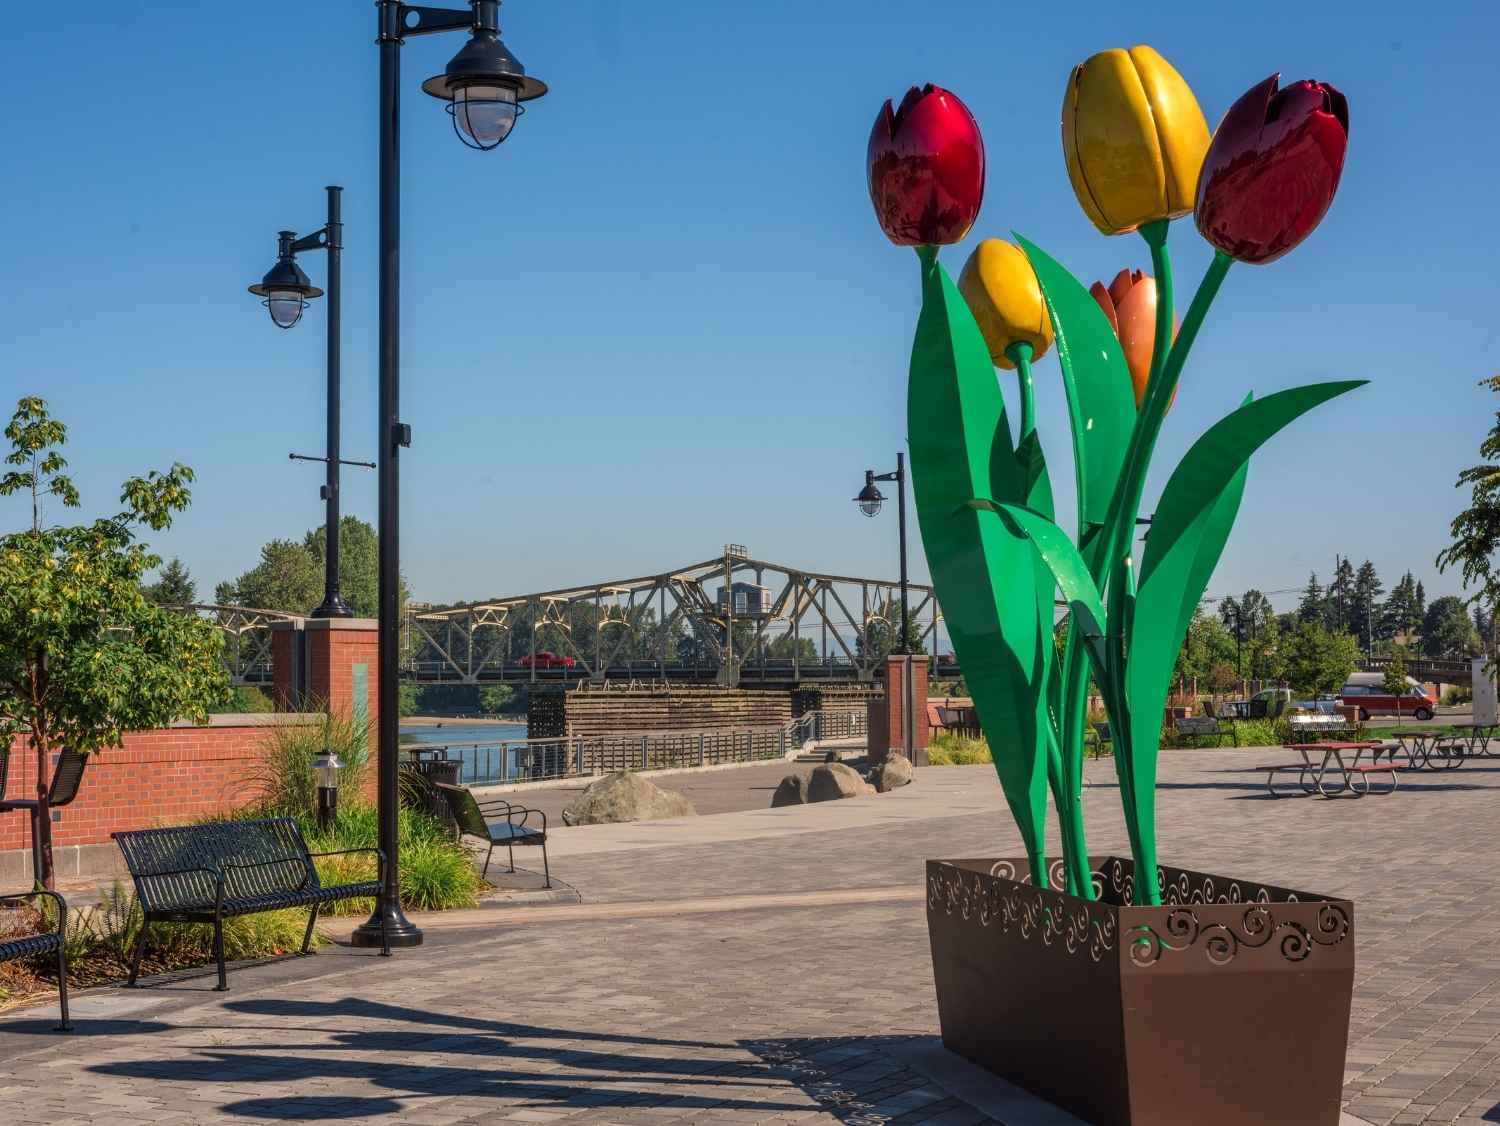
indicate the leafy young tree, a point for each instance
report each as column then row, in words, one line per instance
column 1476, row 530
column 173, row 586
column 1393, row 682
column 1315, row 660
column 85, row 656
column 1447, row 630
column 495, row 698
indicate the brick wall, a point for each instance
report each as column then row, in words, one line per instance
column 158, row 777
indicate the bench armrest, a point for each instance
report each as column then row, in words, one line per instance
column 16, row 899
column 512, row 810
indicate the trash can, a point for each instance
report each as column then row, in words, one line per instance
column 426, row 768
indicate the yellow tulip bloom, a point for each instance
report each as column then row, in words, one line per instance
column 1002, row 292
column 1134, row 138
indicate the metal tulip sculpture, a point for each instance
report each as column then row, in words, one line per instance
column 1139, row 155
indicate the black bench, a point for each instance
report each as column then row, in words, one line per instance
column 1205, row 727
column 216, row 871
column 13, row 947
column 67, row 775
column 1101, row 740
column 494, row 822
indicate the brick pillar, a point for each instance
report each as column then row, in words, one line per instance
column 288, row 665
column 341, row 666
column 886, row 714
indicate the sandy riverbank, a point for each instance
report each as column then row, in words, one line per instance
column 465, row 720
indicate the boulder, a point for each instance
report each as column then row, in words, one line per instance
column 894, row 771
column 624, row 796
column 791, row 791
column 835, row 780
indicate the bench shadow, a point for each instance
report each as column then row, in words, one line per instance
column 860, row 1079
column 422, row 1054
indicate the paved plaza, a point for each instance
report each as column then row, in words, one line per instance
column 772, row 966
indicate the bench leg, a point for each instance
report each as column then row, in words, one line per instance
column 140, row 949
column 312, row 920
column 487, row 856
column 219, row 955
column 62, row 987
column 512, row 846
column 546, row 868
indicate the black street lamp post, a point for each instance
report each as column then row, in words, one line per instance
column 484, row 86
column 287, row 290
column 870, row 500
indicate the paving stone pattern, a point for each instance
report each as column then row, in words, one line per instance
column 783, row 1014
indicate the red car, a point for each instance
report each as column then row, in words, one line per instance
column 544, row 659
column 1367, row 692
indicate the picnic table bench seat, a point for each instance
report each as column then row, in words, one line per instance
column 15, row 947
column 219, row 870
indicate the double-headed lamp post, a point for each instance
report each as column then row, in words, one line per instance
column 485, row 88
column 286, row 291
column 870, row 500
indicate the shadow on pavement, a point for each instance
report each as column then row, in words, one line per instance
column 425, row 1054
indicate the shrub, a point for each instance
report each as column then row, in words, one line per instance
column 436, row 873
column 1456, row 694
column 285, row 778
column 957, row 750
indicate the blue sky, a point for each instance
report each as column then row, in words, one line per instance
column 661, row 316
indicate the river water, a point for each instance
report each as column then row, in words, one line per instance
column 486, row 762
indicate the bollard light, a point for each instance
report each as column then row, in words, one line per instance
column 325, row 770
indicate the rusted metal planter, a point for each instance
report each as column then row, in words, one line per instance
column 1228, row 1004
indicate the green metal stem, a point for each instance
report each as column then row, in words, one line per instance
column 1019, row 354
column 1166, row 364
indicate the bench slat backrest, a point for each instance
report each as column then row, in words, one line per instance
column 275, row 844
column 465, row 810
column 1197, row 725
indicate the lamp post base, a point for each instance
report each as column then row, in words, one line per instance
column 333, row 606
column 399, row 930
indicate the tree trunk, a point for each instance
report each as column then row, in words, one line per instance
column 42, row 827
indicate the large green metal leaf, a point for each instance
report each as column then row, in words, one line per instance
column 1192, row 524
column 982, row 575
column 1101, row 402
column 1219, row 454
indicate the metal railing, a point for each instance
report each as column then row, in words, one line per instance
column 486, row 762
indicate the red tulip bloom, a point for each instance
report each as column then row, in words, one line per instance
column 926, row 164
column 1272, row 168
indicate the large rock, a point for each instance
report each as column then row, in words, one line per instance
column 835, row 780
column 792, row 791
column 894, row 771
column 624, row 796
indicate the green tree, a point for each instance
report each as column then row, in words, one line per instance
column 1447, row 630
column 1341, row 597
column 1206, row 645
column 1314, row 659
column 1365, row 609
column 785, row 646
column 359, row 564
column 1476, row 530
column 495, row 698
column 1314, row 606
column 1393, row 682
column 173, row 586
column 85, row 656
column 408, row 697
column 1401, row 616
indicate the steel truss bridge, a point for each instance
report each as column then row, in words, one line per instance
column 728, row 620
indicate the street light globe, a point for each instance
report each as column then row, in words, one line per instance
column 285, row 289
column 484, row 86
column 484, row 114
column 286, row 307
column 870, row 497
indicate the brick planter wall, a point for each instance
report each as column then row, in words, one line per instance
column 160, row 777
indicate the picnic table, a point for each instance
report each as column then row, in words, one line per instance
column 1354, row 774
column 1426, row 750
column 1479, row 739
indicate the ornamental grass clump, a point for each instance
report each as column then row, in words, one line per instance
column 1139, row 155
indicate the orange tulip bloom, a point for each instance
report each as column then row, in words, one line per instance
column 1130, row 305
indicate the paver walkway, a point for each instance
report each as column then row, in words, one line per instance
column 772, row 966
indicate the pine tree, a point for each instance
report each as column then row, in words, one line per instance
column 1341, row 597
column 1313, row 605
column 173, row 586
column 1401, row 616
column 1366, row 603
